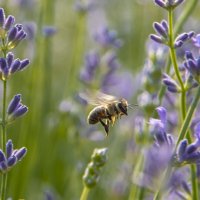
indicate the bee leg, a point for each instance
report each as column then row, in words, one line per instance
column 106, row 126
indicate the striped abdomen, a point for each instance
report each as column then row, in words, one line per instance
column 96, row 114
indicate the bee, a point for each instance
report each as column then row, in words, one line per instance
column 107, row 109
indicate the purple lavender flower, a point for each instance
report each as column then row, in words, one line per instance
column 167, row 4
column 162, row 31
column 9, row 65
column 158, row 128
column 196, row 40
column 12, row 34
column 171, row 84
column 188, row 153
column 49, row 31
column 192, row 65
column 179, row 41
column 107, row 37
column 12, row 157
column 16, row 108
column 83, row 6
column 92, row 61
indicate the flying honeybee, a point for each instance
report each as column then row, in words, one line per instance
column 107, row 109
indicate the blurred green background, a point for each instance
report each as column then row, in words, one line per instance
column 58, row 150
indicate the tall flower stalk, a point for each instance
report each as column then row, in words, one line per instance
column 11, row 35
column 166, row 36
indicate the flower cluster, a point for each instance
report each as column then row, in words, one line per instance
column 93, row 170
column 11, row 34
column 101, row 66
column 188, row 153
column 16, row 108
column 162, row 37
column 11, row 157
column 192, row 65
column 169, row 4
column 9, row 65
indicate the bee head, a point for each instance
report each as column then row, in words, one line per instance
column 123, row 105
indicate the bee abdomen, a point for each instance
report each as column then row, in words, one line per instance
column 96, row 114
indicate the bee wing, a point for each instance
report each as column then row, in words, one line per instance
column 99, row 98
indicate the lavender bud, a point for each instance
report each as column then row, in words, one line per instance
column 160, row 30
column 162, row 112
column 183, row 37
column 196, row 40
column 172, row 89
column 161, row 3
column 4, row 67
column 14, row 104
column 12, row 34
column 2, row 17
column 49, row 31
column 89, row 180
column 9, row 22
column 178, row 44
column 171, row 84
column 182, row 148
column 9, row 58
column 9, row 148
column 3, row 64
column 2, row 156
column 191, row 34
column 20, row 35
column 24, row 64
column 21, row 153
column 15, row 66
column 191, row 148
column 3, row 166
column 188, row 55
column 193, row 157
column 165, row 25
column 156, row 38
column 191, row 66
column 20, row 111
column 99, row 156
column 11, row 161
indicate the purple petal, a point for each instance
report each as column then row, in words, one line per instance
column 162, row 114
column 9, row 148
column 14, row 103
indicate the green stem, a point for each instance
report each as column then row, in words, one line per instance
column 4, row 138
column 85, row 192
column 195, row 194
column 135, row 190
column 172, row 50
column 188, row 118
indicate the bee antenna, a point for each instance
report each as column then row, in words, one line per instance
column 131, row 105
